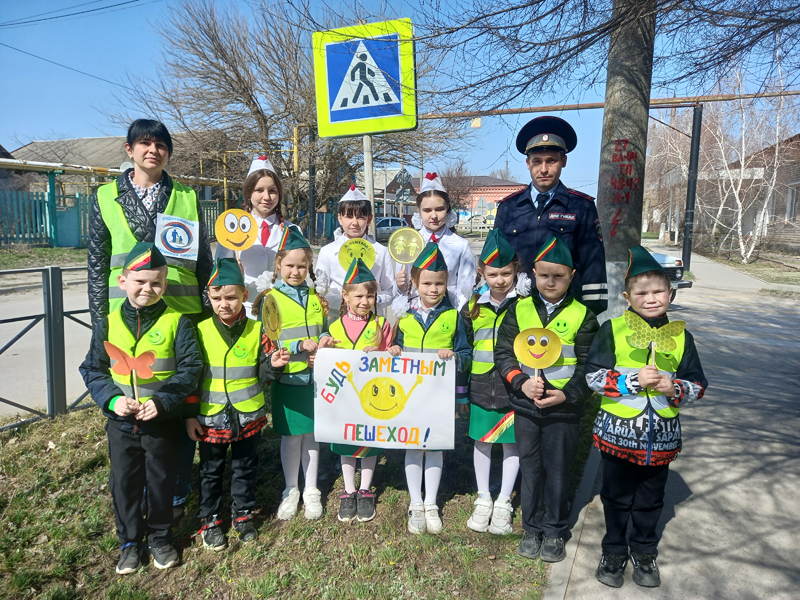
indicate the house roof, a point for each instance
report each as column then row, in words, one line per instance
column 480, row 181
column 108, row 152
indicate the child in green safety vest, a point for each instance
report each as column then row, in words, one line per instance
column 547, row 408
column 430, row 324
column 143, row 364
column 491, row 418
column 637, row 429
column 358, row 328
column 303, row 318
column 231, row 410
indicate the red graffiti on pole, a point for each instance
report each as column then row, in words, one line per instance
column 623, row 182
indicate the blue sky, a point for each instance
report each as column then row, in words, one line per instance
column 39, row 100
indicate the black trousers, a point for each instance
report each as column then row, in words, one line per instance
column 140, row 461
column 546, row 450
column 635, row 491
column 244, row 463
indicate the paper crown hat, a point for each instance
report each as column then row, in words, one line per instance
column 432, row 183
column 259, row 163
column 641, row 261
column 292, row 239
column 358, row 273
column 145, row 255
column 431, row 259
column 353, row 195
column 497, row 252
column 555, row 250
column 226, row 272
column 546, row 133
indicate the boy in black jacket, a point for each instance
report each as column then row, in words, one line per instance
column 143, row 412
column 548, row 409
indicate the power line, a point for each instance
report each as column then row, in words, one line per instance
column 64, row 66
column 82, row 12
column 50, row 12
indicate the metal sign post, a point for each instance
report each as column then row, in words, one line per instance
column 369, row 183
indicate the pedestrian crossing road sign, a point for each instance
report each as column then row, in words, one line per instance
column 365, row 79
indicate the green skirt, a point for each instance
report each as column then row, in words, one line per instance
column 292, row 409
column 354, row 451
column 493, row 426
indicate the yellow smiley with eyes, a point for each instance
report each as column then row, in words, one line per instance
column 271, row 317
column 236, row 229
column 356, row 248
column 537, row 348
column 383, row 398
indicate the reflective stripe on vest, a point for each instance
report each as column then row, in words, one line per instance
column 440, row 332
column 231, row 374
column 565, row 325
column 631, row 360
column 183, row 291
column 484, row 337
column 160, row 339
column 298, row 323
column 367, row 337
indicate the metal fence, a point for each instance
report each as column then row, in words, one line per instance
column 53, row 318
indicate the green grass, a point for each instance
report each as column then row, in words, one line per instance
column 20, row 256
column 57, row 537
column 765, row 270
column 649, row 235
column 780, row 294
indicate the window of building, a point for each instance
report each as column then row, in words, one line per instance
column 791, row 202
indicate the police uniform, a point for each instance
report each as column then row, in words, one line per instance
column 565, row 213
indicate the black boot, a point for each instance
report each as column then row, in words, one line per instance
column 611, row 569
column 243, row 524
column 645, row 570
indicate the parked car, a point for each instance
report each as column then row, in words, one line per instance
column 674, row 268
column 386, row 226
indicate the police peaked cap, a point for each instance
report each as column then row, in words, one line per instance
column 358, row 273
column 497, row 251
column 145, row 255
column 546, row 133
column 292, row 239
column 555, row 250
column 641, row 261
column 226, row 272
column 431, row 259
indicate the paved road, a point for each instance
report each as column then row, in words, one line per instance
column 731, row 523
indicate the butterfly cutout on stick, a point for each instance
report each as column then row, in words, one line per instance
column 126, row 364
column 645, row 337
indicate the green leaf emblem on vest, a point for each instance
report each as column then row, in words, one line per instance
column 561, row 327
column 156, row 337
column 240, row 351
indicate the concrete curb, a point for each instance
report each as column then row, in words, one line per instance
column 561, row 571
column 34, row 286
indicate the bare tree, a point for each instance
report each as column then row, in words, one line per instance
column 504, row 173
column 459, row 184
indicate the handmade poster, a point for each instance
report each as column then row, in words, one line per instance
column 356, row 248
column 405, row 244
column 377, row 400
column 236, row 229
column 176, row 237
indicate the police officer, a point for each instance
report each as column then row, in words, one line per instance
column 548, row 207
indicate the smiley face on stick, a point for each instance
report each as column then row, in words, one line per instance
column 537, row 348
column 236, row 229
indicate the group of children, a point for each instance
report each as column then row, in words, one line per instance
column 210, row 378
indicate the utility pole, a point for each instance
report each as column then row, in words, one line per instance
column 312, row 182
column 624, row 145
column 691, row 186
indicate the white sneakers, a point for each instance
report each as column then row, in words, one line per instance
column 288, row 507
column 432, row 521
column 494, row 517
column 416, row 518
column 479, row 521
column 312, row 500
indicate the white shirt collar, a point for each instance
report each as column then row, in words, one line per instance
column 486, row 297
column 427, row 233
column 550, row 306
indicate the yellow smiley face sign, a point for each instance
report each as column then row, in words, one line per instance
column 405, row 245
column 271, row 317
column 382, row 397
column 236, row 229
column 537, row 348
column 356, row 248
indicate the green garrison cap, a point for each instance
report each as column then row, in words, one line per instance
column 226, row 272
column 555, row 250
column 292, row 239
column 358, row 272
column 641, row 261
column 431, row 259
column 497, row 252
column 144, row 256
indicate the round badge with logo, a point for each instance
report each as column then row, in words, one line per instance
column 156, row 337
column 405, row 245
column 176, row 237
column 271, row 317
column 356, row 248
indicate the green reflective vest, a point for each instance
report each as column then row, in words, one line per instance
column 484, row 338
column 440, row 333
column 566, row 325
column 631, row 360
column 298, row 323
column 367, row 337
column 231, row 374
column 183, row 292
column 160, row 338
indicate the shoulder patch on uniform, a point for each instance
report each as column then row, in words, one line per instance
column 517, row 193
column 581, row 195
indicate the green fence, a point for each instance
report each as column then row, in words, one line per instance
column 23, row 218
